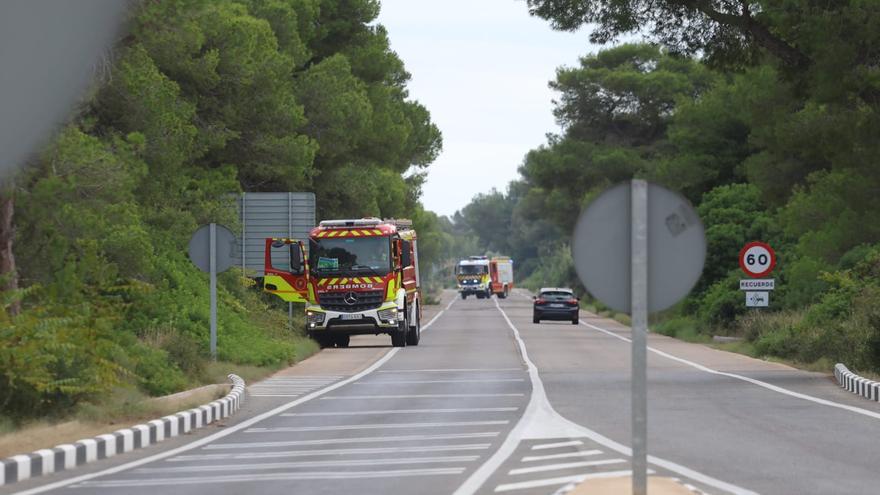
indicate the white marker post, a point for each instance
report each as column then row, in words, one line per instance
column 213, row 272
column 639, row 315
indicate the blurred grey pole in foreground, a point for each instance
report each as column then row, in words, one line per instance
column 49, row 52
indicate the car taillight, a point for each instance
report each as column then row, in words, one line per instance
column 540, row 301
column 573, row 301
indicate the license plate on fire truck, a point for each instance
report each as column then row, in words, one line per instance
column 352, row 316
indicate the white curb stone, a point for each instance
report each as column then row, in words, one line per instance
column 68, row 456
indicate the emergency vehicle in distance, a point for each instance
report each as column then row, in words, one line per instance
column 501, row 276
column 482, row 277
column 361, row 277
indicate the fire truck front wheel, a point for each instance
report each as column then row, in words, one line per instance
column 415, row 331
column 398, row 337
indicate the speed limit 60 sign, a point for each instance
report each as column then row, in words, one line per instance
column 757, row 259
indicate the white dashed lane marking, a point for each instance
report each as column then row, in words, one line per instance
column 333, row 452
column 565, row 465
column 469, row 410
column 560, row 462
column 544, row 446
column 421, row 396
column 338, row 441
column 262, row 477
column 567, row 455
column 400, row 382
column 378, row 426
column 290, row 386
column 310, row 464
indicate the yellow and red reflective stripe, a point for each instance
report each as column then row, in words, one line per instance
column 333, row 281
column 343, row 281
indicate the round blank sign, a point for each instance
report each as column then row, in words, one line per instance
column 200, row 248
column 676, row 247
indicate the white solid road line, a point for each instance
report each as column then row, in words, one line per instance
column 560, row 481
column 266, row 466
column 377, row 426
column 408, row 411
column 418, row 396
column 768, row 386
column 475, row 380
column 334, row 452
column 228, row 430
column 555, row 445
column 567, row 455
column 262, row 477
column 564, row 465
column 540, row 407
column 337, row 441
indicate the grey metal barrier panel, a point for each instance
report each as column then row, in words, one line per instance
column 272, row 214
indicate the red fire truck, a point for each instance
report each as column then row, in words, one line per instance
column 501, row 276
column 360, row 277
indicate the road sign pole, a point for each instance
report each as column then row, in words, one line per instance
column 639, row 315
column 213, row 271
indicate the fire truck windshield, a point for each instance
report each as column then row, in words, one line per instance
column 350, row 255
column 472, row 269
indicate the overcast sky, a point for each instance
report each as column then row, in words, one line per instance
column 481, row 67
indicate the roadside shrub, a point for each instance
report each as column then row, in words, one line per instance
column 156, row 373
column 722, row 303
column 681, row 327
column 754, row 324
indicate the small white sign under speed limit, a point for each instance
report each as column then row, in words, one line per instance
column 757, row 259
column 757, row 299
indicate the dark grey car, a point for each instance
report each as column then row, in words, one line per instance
column 556, row 303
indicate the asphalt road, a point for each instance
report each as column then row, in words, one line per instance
column 491, row 403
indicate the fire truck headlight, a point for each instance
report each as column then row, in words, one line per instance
column 388, row 315
column 314, row 317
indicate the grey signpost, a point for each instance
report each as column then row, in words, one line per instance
column 639, row 248
column 639, row 320
column 214, row 249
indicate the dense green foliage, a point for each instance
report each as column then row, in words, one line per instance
column 204, row 99
column 771, row 134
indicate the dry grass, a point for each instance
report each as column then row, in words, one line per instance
column 128, row 408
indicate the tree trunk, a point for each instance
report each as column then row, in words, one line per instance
column 8, row 274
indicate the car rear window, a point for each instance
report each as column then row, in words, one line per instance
column 557, row 295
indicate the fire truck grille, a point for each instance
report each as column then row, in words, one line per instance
column 344, row 302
